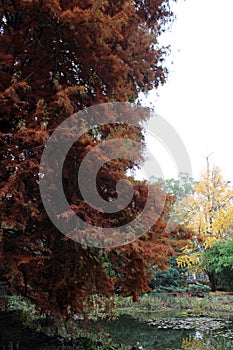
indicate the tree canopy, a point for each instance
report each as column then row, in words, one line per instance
column 179, row 188
column 208, row 212
column 217, row 262
column 58, row 58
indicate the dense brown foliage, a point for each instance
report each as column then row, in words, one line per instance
column 57, row 57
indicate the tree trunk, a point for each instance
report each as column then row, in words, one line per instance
column 213, row 281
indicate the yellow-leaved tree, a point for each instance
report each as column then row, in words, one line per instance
column 208, row 212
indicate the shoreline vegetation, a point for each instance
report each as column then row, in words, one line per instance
column 212, row 304
column 41, row 329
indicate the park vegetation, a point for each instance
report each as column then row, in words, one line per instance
column 57, row 58
column 205, row 206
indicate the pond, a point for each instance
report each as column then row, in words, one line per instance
column 151, row 332
column 193, row 333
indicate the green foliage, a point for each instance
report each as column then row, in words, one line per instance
column 197, row 289
column 169, row 280
column 218, row 262
column 211, row 305
column 25, row 310
column 179, row 188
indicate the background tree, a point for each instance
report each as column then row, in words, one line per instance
column 170, row 280
column 217, row 262
column 58, row 57
column 179, row 188
column 208, row 212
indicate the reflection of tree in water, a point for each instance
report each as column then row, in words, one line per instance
column 129, row 331
column 201, row 341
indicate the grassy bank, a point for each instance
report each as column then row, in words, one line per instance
column 211, row 305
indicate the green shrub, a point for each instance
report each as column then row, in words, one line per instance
column 198, row 289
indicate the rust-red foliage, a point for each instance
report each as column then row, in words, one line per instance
column 57, row 57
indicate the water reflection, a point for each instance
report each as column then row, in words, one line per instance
column 203, row 341
column 129, row 331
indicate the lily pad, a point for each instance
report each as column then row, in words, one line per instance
column 198, row 323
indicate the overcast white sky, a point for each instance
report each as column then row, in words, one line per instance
column 197, row 100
